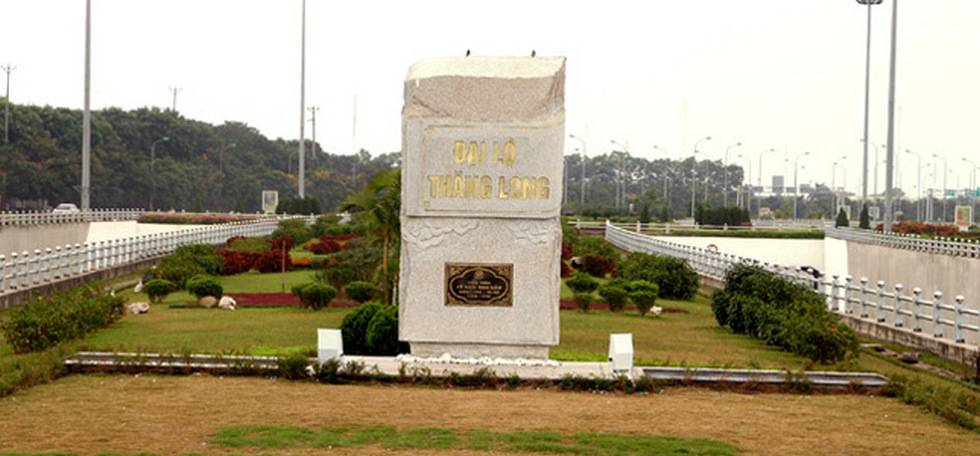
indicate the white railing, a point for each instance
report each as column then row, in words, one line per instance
column 668, row 228
column 26, row 270
column 46, row 217
column 942, row 246
column 915, row 312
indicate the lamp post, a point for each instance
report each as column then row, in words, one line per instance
column 725, row 184
column 973, row 184
column 582, row 192
column 666, row 173
column 6, row 103
column 833, row 178
column 945, row 172
column 918, row 183
column 153, row 176
column 867, row 90
column 796, row 185
column 302, row 108
column 760, row 163
column 621, row 189
column 694, row 172
column 221, row 156
column 748, row 202
column 890, row 151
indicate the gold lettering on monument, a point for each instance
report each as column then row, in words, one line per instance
column 487, row 154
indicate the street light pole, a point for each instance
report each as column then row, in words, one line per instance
column 760, row 163
column 153, row 176
column 302, row 106
column 796, row 184
column 621, row 189
column 87, row 112
column 694, row 172
column 867, row 91
column 918, row 184
column 945, row 171
column 748, row 203
column 6, row 103
column 973, row 185
column 724, row 197
column 890, row 153
column 582, row 192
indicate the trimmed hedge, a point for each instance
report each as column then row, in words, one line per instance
column 674, row 278
column 761, row 304
column 372, row 329
column 204, row 285
column 46, row 322
column 188, row 261
column 158, row 289
column 361, row 291
column 314, row 295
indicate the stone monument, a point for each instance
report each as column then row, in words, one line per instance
column 482, row 146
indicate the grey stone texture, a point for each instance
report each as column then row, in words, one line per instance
column 481, row 184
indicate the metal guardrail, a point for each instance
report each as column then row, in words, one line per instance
column 916, row 313
column 941, row 246
column 45, row 217
column 27, row 270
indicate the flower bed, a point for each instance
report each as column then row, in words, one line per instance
column 280, row 300
column 175, row 218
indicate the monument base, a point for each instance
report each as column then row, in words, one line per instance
column 506, row 351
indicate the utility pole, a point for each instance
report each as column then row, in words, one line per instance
column 6, row 103
column 175, row 90
column 313, row 110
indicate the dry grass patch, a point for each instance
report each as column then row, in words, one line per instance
column 91, row 414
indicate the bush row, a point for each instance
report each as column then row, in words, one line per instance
column 45, row 322
column 781, row 313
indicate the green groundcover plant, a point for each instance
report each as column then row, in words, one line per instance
column 48, row 321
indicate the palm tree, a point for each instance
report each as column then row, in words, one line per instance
column 380, row 201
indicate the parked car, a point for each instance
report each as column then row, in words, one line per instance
column 66, row 208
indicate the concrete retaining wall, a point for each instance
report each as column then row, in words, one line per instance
column 30, row 237
column 929, row 271
column 16, row 298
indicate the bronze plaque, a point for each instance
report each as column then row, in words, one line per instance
column 473, row 284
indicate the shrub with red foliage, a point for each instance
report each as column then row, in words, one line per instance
column 272, row 261
column 282, row 243
column 597, row 266
column 566, row 270
column 566, row 252
column 324, row 247
column 923, row 229
column 238, row 262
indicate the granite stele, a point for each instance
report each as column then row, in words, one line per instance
column 481, row 196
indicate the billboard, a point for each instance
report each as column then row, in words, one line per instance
column 270, row 199
column 964, row 217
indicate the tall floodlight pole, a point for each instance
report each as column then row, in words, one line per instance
column 582, row 192
column 313, row 110
column 724, row 187
column 890, row 153
column 622, row 172
column 760, row 164
column 174, row 91
column 86, row 112
column 302, row 106
column 867, row 91
column 6, row 103
column 694, row 172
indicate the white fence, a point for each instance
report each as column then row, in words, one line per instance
column 26, row 270
column 801, row 225
column 917, row 312
column 942, row 246
column 45, row 217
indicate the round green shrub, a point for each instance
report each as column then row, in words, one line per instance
column 204, row 285
column 582, row 300
column 615, row 296
column 382, row 333
column 582, row 283
column 644, row 295
column 158, row 289
column 317, row 295
column 353, row 328
column 361, row 291
column 675, row 278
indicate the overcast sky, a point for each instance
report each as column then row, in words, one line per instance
column 787, row 75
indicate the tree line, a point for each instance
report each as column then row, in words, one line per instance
column 198, row 166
